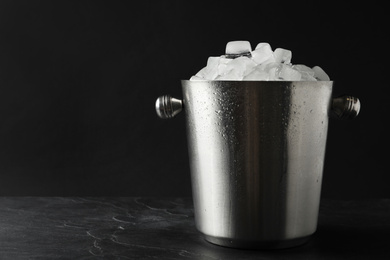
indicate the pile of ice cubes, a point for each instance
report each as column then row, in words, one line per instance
column 242, row 63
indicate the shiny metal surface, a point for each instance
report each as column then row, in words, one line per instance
column 345, row 107
column 256, row 153
column 168, row 107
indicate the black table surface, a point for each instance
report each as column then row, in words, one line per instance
column 163, row 228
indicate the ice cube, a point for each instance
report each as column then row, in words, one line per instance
column 231, row 75
column 209, row 72
column 222, row 64
column 288, row 73
column 306, row 72
column 202, row 73
column 282, row 55
column 303, row 69
column 262, row 44
column 272, row 69
column 238, row 68
column 263, row 53
column 320, row 74
column 243, row 64
column 213, row 61
column 257, row 75
column 307, row 77
column 236, row 49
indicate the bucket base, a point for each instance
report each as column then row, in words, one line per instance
column 243, row 244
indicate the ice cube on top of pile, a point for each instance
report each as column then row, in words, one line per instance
column 238, row 48
column 242, row 63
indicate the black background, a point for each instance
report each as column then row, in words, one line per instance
column 78, row 82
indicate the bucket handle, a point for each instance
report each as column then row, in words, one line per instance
column 345, row 107
column 342, row 107
column 168, row 107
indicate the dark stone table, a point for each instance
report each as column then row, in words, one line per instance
column 151, row 228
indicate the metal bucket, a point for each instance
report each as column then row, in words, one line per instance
column 257, row 153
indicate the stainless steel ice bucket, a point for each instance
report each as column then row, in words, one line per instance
column 256, row 153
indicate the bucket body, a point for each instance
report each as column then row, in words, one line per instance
column 256, row 151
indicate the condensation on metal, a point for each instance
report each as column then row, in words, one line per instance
column 256, row 153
